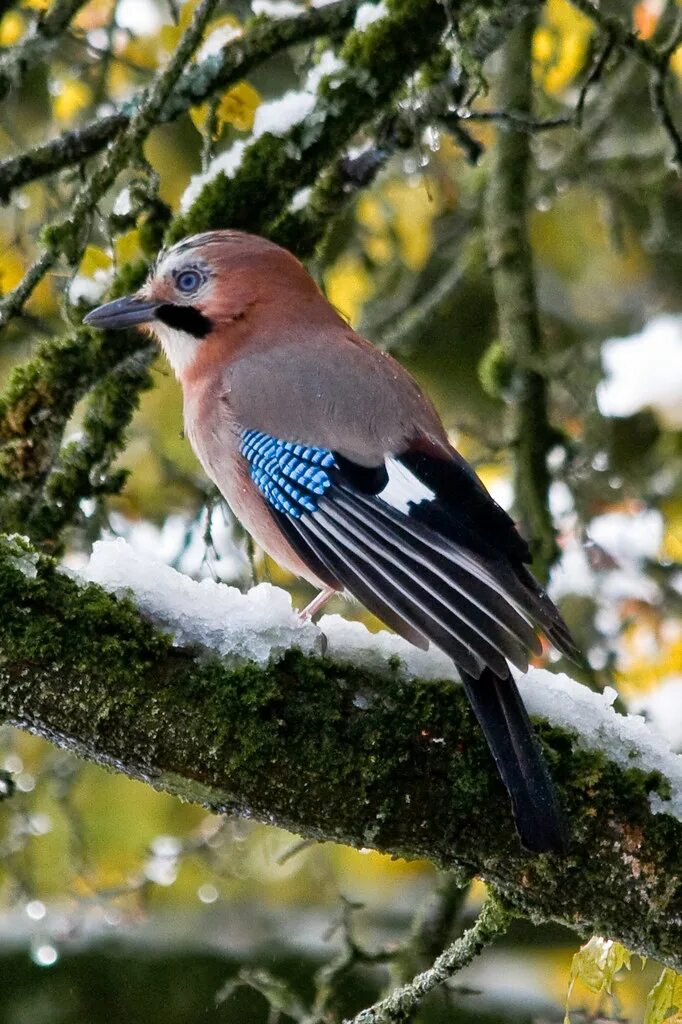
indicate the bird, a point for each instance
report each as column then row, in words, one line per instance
column 338, row 465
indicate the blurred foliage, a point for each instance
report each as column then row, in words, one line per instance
column 91, row 858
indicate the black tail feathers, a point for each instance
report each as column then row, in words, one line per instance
column 507, row 728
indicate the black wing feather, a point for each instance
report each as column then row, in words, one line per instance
column 450, row 570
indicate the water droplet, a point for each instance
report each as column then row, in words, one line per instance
column 44, row 954
column 36, row 910
column 207, row 893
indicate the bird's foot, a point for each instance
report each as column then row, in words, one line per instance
column 316, row 604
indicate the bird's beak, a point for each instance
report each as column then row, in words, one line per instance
column 126, row 312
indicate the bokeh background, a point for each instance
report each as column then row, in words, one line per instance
column 121, row 904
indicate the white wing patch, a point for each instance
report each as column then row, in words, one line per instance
column 404, row 488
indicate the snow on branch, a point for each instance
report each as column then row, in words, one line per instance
column 261, row 625
column 223, row 699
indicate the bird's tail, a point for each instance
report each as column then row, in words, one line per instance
column 502, row 716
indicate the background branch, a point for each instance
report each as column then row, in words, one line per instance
column 490, row 924
column 510, row 259
column 46, row 36
column 42, row 395
column 261, row 40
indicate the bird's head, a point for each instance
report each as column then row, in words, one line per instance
column 205, row 289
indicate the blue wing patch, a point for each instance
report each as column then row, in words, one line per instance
column 290, row 476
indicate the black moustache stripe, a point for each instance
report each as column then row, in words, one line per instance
column 185, row 318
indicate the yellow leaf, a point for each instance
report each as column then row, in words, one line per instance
column 95, row 14
column 170, row 34
column 37, row 5
column 560, row 45
column 348, row 285
column 73, row 96
column 414, row 210
column 142, row 51
column 543, row 45
column 11, row 270
column 596, row 965
column 676, row 61
column 379, row 249
column 664, row 1002
column 11, row 28
column 238, row 107
column 199, row 116
column 371, row 212
column 127, row 247
column 672, row 538
column 94, row 259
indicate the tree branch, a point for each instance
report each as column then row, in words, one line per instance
column 656, row 59
column 70, row 235
column 510, row 259
column 41, row 395
column 262, row 39
column 45, row 38
column 491, row 922
column 405, row 770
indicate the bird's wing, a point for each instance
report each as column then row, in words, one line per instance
column 338, row 392
column 413, row 539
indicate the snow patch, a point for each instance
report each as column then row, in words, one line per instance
column 90, row 289
column 218, row 39
column 275, row 117
column 645, row 372
column 662, row 709
column 227, row 163
column 255, row 626
column 352, row 641
column 142, row 17
column 328, row 66
column 300, row 199
column 628, row 539
column 367, row 14
column 625, row 739
column 278, row 116
column 262, row 624
column 276, row 8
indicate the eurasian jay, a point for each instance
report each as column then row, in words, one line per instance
column 338, row 465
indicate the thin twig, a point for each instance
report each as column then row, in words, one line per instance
column 593, row 77
column 491, row 922
column 622, row 35
column 198, row 83
column 659, row 80
column 656, row 59
column 17, row 60
column 69, row 236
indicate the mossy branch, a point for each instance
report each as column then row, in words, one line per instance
column 40, row 43
column 42, row 394
column 405, row 770
column 262, row 39
column 492, row 922
column 511, row 262
column 69, row 236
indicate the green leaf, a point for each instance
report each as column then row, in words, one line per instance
column 664, row 1002
column 596, row 965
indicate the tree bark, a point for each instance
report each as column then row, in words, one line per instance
column 331, row 751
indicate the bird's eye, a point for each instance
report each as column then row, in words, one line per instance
column 188, row 281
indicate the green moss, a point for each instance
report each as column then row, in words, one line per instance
column 332, row 751
column 273, row 169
